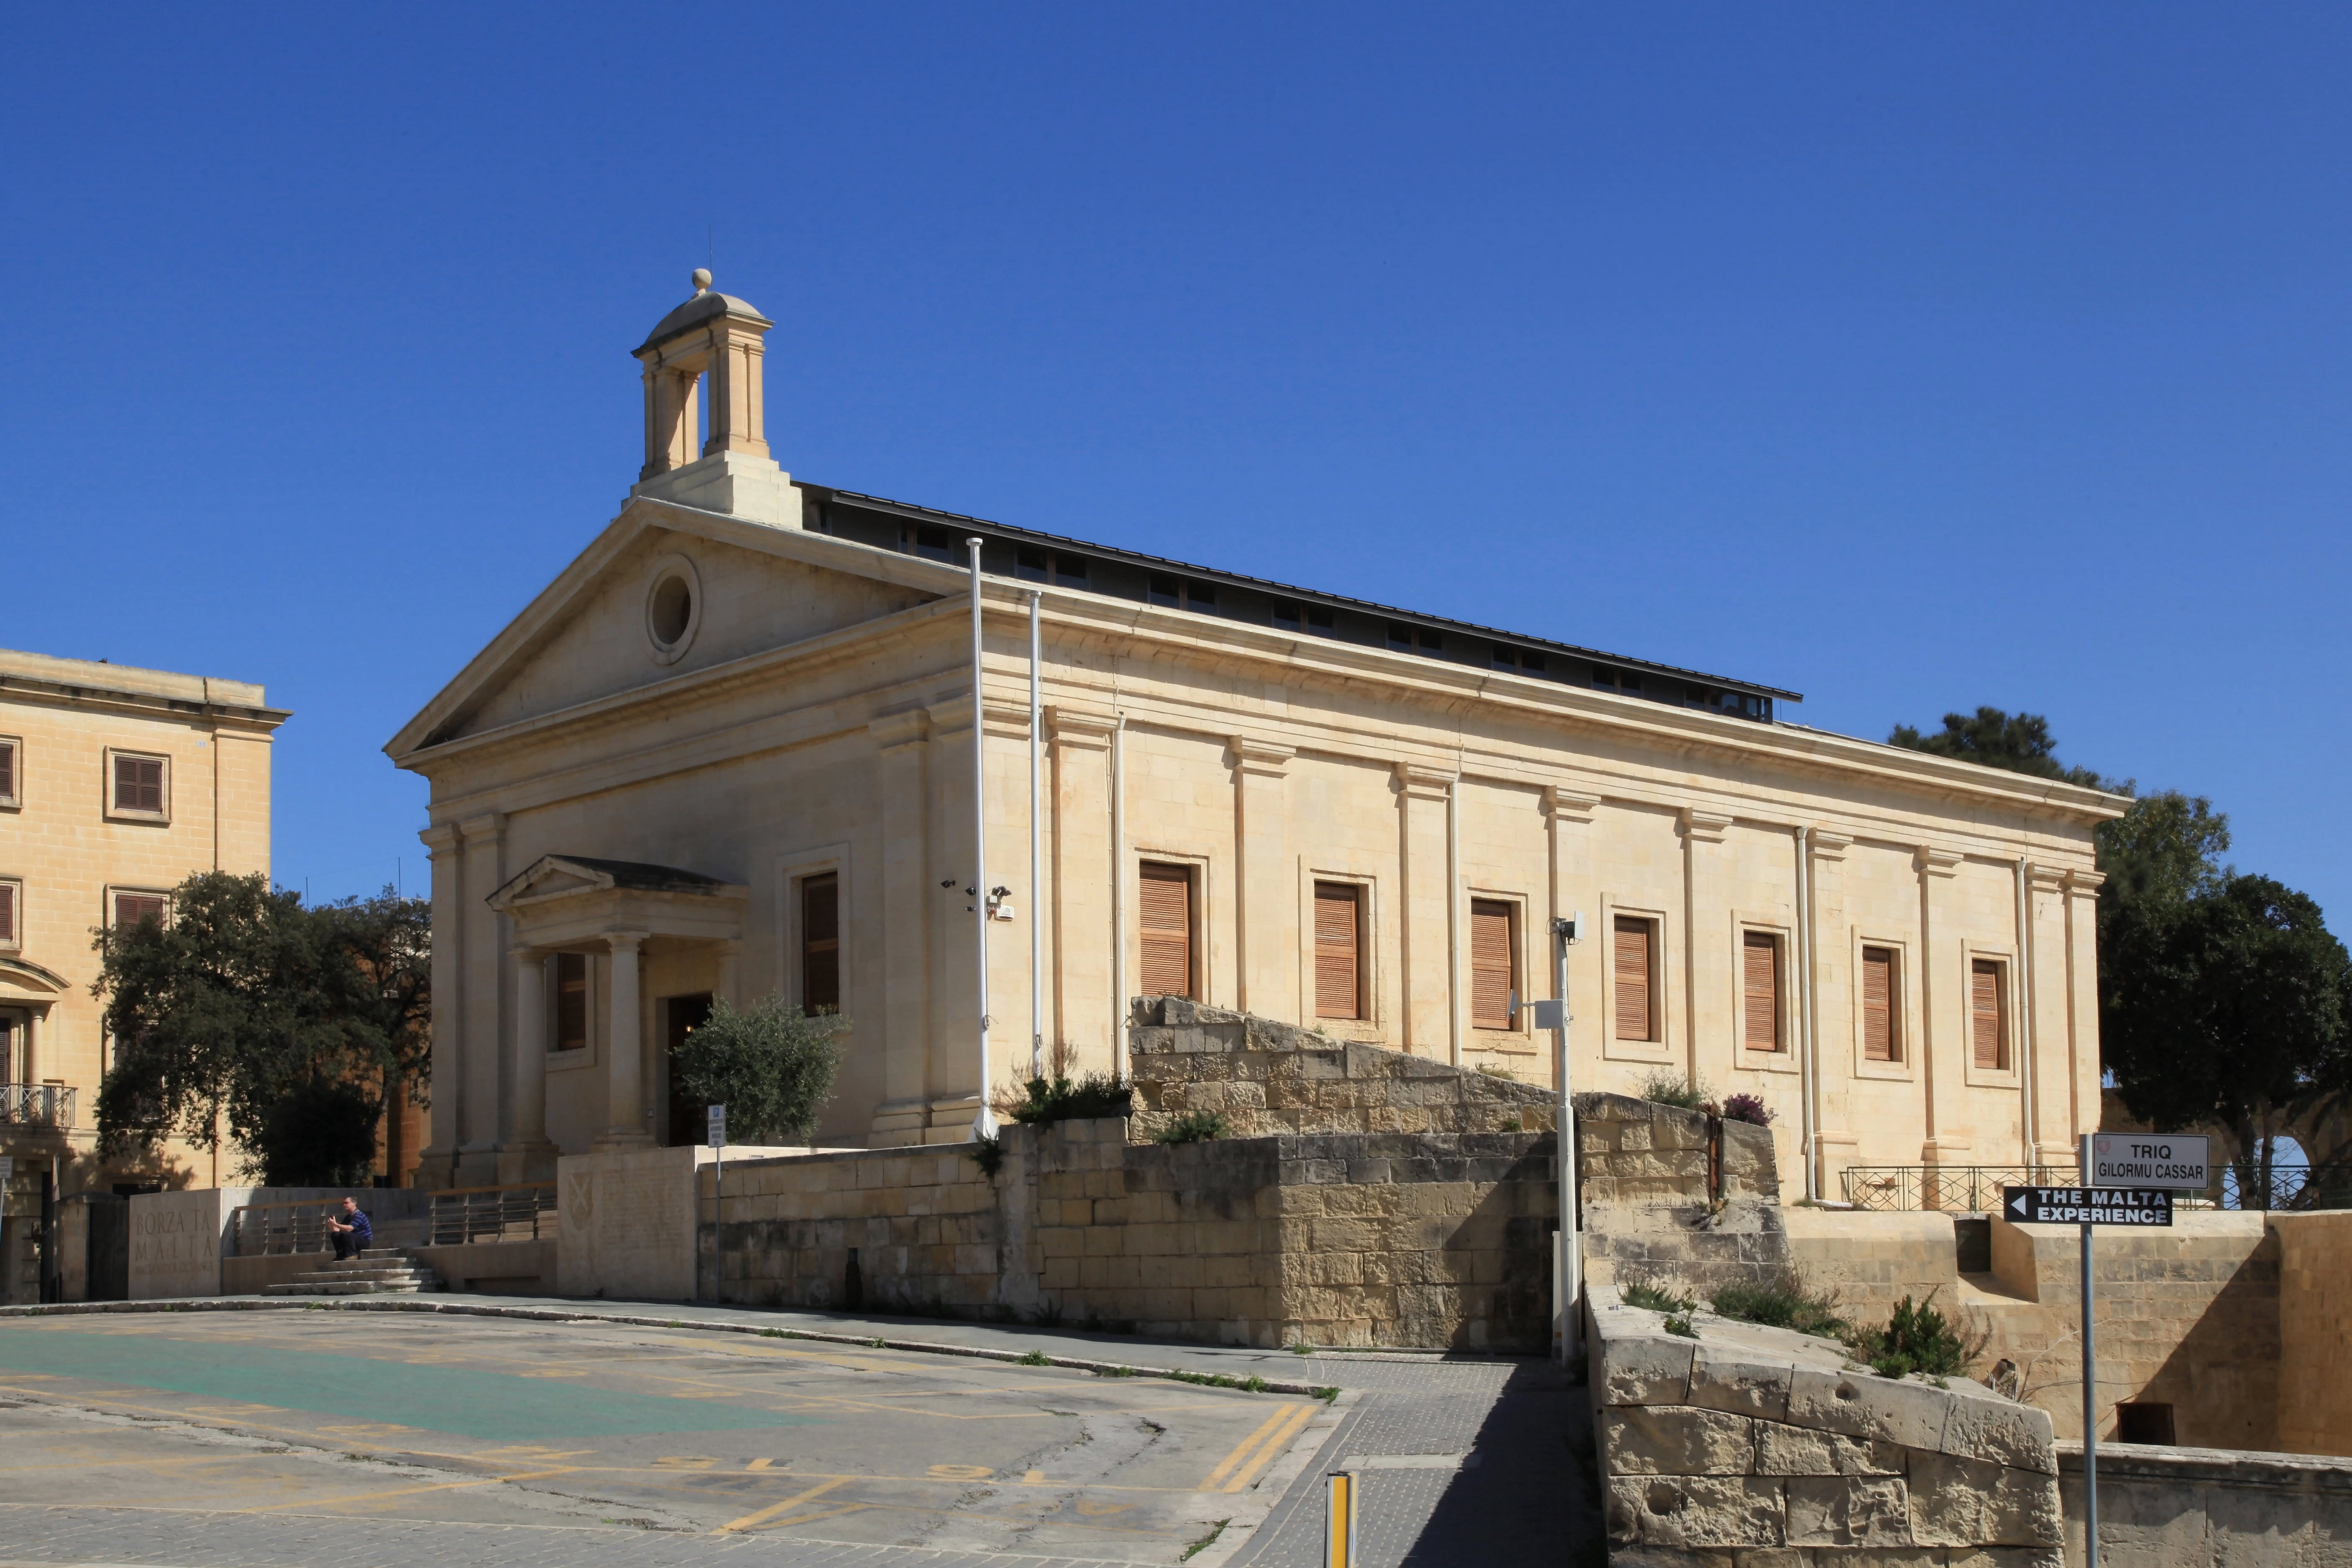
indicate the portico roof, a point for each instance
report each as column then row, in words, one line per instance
column 559, row 899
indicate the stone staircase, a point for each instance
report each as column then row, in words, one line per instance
column 378, row 1271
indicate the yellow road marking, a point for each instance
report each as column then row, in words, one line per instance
column 760, row 1516
column 1272, row 1446
column 403, row 1491
column 1224, row 1466
column 820, row 1513
column 757, row 1465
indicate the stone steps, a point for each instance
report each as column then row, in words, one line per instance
column 378, row 1271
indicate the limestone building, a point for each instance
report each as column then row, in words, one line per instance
column 728, row 751
column 115, row 784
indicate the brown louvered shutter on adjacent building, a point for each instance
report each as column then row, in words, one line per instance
column 1339, row 925
column 1987, row 1035
column 8, row 913
column 1759, row 953
column 139, row 783
column 1491, row 980
column 1630, row 976
column 130, row 908
column 821, row 943
column 571, row 1001
column 7, row 770
column 1878, row 1005
column 1165, row 894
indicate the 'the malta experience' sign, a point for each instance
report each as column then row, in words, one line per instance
column 2086, row 1206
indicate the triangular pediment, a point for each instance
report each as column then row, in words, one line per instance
column 555, row 877
column 595, row 633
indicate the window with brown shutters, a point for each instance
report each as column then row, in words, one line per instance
column 821, row 943
column 1491, row 977
column 1988, row 1013
column 1165, row 894
column 1338, row 950
column 571, row 1001
column 131, row 908
column 1633, row 976
column 8, row 773
column 1881, row 1040
column 1759, row 969
column 139, row 784
column 10, row 892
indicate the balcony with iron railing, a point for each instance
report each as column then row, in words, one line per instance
column 37, row 1105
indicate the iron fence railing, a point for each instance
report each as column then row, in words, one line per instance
column 2327, row 1186
column 520, row 1211
column 271, row 1230
column 36, row 1104
column 1959, row 1189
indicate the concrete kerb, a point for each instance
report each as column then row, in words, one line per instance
column 555, row 1315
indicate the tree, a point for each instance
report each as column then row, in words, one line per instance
column 769, row 1065
column 283, row 1022
column 2020, row 742
column 2236, row 1007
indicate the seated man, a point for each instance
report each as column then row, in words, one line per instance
column 352, row 1231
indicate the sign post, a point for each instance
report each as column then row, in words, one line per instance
column 2129, row 1179
column 717, row 1138
column 1340, row 1520
column 1566, row 1263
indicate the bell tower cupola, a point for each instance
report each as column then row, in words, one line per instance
column 714, row 345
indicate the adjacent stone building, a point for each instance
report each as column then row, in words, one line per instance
column 115, row 784
column 728, row 751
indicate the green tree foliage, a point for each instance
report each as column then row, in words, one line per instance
column 2021, row 742
column 769, row 1065
column 285, row 1025
column 2231, row 1007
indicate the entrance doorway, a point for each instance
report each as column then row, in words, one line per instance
column 682, row 1015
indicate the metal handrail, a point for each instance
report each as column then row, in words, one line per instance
column 36, row 1104
column 516, row 1211
column 268, row 1230
column 1958, row 1189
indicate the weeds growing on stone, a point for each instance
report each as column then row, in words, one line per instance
column 1036, row 1358
column 1680, row 1325
column 1652, row 1298
column 1917, row 1339
column 1060, row 1098
column 1783, row 1303
column 1665, row 1088
column 988, row 1153
column 1326, row 1394
column 1214, row 1530
column 1195, row 1127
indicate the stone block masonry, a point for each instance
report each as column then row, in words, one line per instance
column 1745, row 1447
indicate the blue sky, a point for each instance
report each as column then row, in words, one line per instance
column 1910, row 357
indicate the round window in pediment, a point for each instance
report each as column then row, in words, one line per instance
column 673, row 608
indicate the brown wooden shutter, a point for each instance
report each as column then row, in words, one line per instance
column 138, row 784
column 1631, row 977
column 8, row 770
column 1760, row 985
column 130, row 908
column 821, row 943
column 1165, row 893
column 1878, row 1005
column 1987, row 1035
column 8, row 910
column 1338, row 950
column 1490, row 965
column 571, row 1001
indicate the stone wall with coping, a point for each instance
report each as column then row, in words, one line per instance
column 1755, row 1447
column 2211, row 1508
column 2314, row 1261
column 1676, row 1197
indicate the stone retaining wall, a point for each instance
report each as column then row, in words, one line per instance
column 1755, row 1447
column 2211, row 1508
column 1675, row 1196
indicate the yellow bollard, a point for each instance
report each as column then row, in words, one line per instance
column 1340, row 1520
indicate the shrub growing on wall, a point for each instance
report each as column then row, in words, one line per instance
column 769, row 1065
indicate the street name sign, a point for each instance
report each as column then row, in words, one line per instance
column 2175, row 1159
column 2086, row 1206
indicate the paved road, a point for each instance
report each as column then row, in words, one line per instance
column 210, row 1440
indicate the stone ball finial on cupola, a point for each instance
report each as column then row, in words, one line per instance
column 712, row 334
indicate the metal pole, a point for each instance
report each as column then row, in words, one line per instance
column 1571, row 1266
column 2090, row 1379
column 1037, row 856
column 983, row 1123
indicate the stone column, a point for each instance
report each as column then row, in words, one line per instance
column 909, row 893
column 730, row 974
column 1424, row 909
column 1085, row 870
column 2082, row 981
column 624, row 1037
column 1568, row 819
column 33, row 1018
column 1941, row 985
column 445, row 1107
column 528, row 1155
column 1266, row 883
column 1710, row 997
column 481, row 1058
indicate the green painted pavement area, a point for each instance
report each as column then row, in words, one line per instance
column 465, row 1403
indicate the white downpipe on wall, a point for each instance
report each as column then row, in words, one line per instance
column 1036, row 854
column 1454, row 986
column 2031, row 1095
column 1119, row 896
column 983, row 1123
column 1809, row 1088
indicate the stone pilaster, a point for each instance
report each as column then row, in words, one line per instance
column 1834, row 1135
column 1942, row 987
column 1568, row 823
column 1086, row 1011
column 527, row 1156
column 2082, row 979
column 481, row 1045
column 1710, row 1004
column 2042, row 1051
column 910, row 891
column 1425, row 909
column 952, row 1064
column 445, row 1107
column 1265, row 882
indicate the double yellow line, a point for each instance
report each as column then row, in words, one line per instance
column 1236, row 1470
